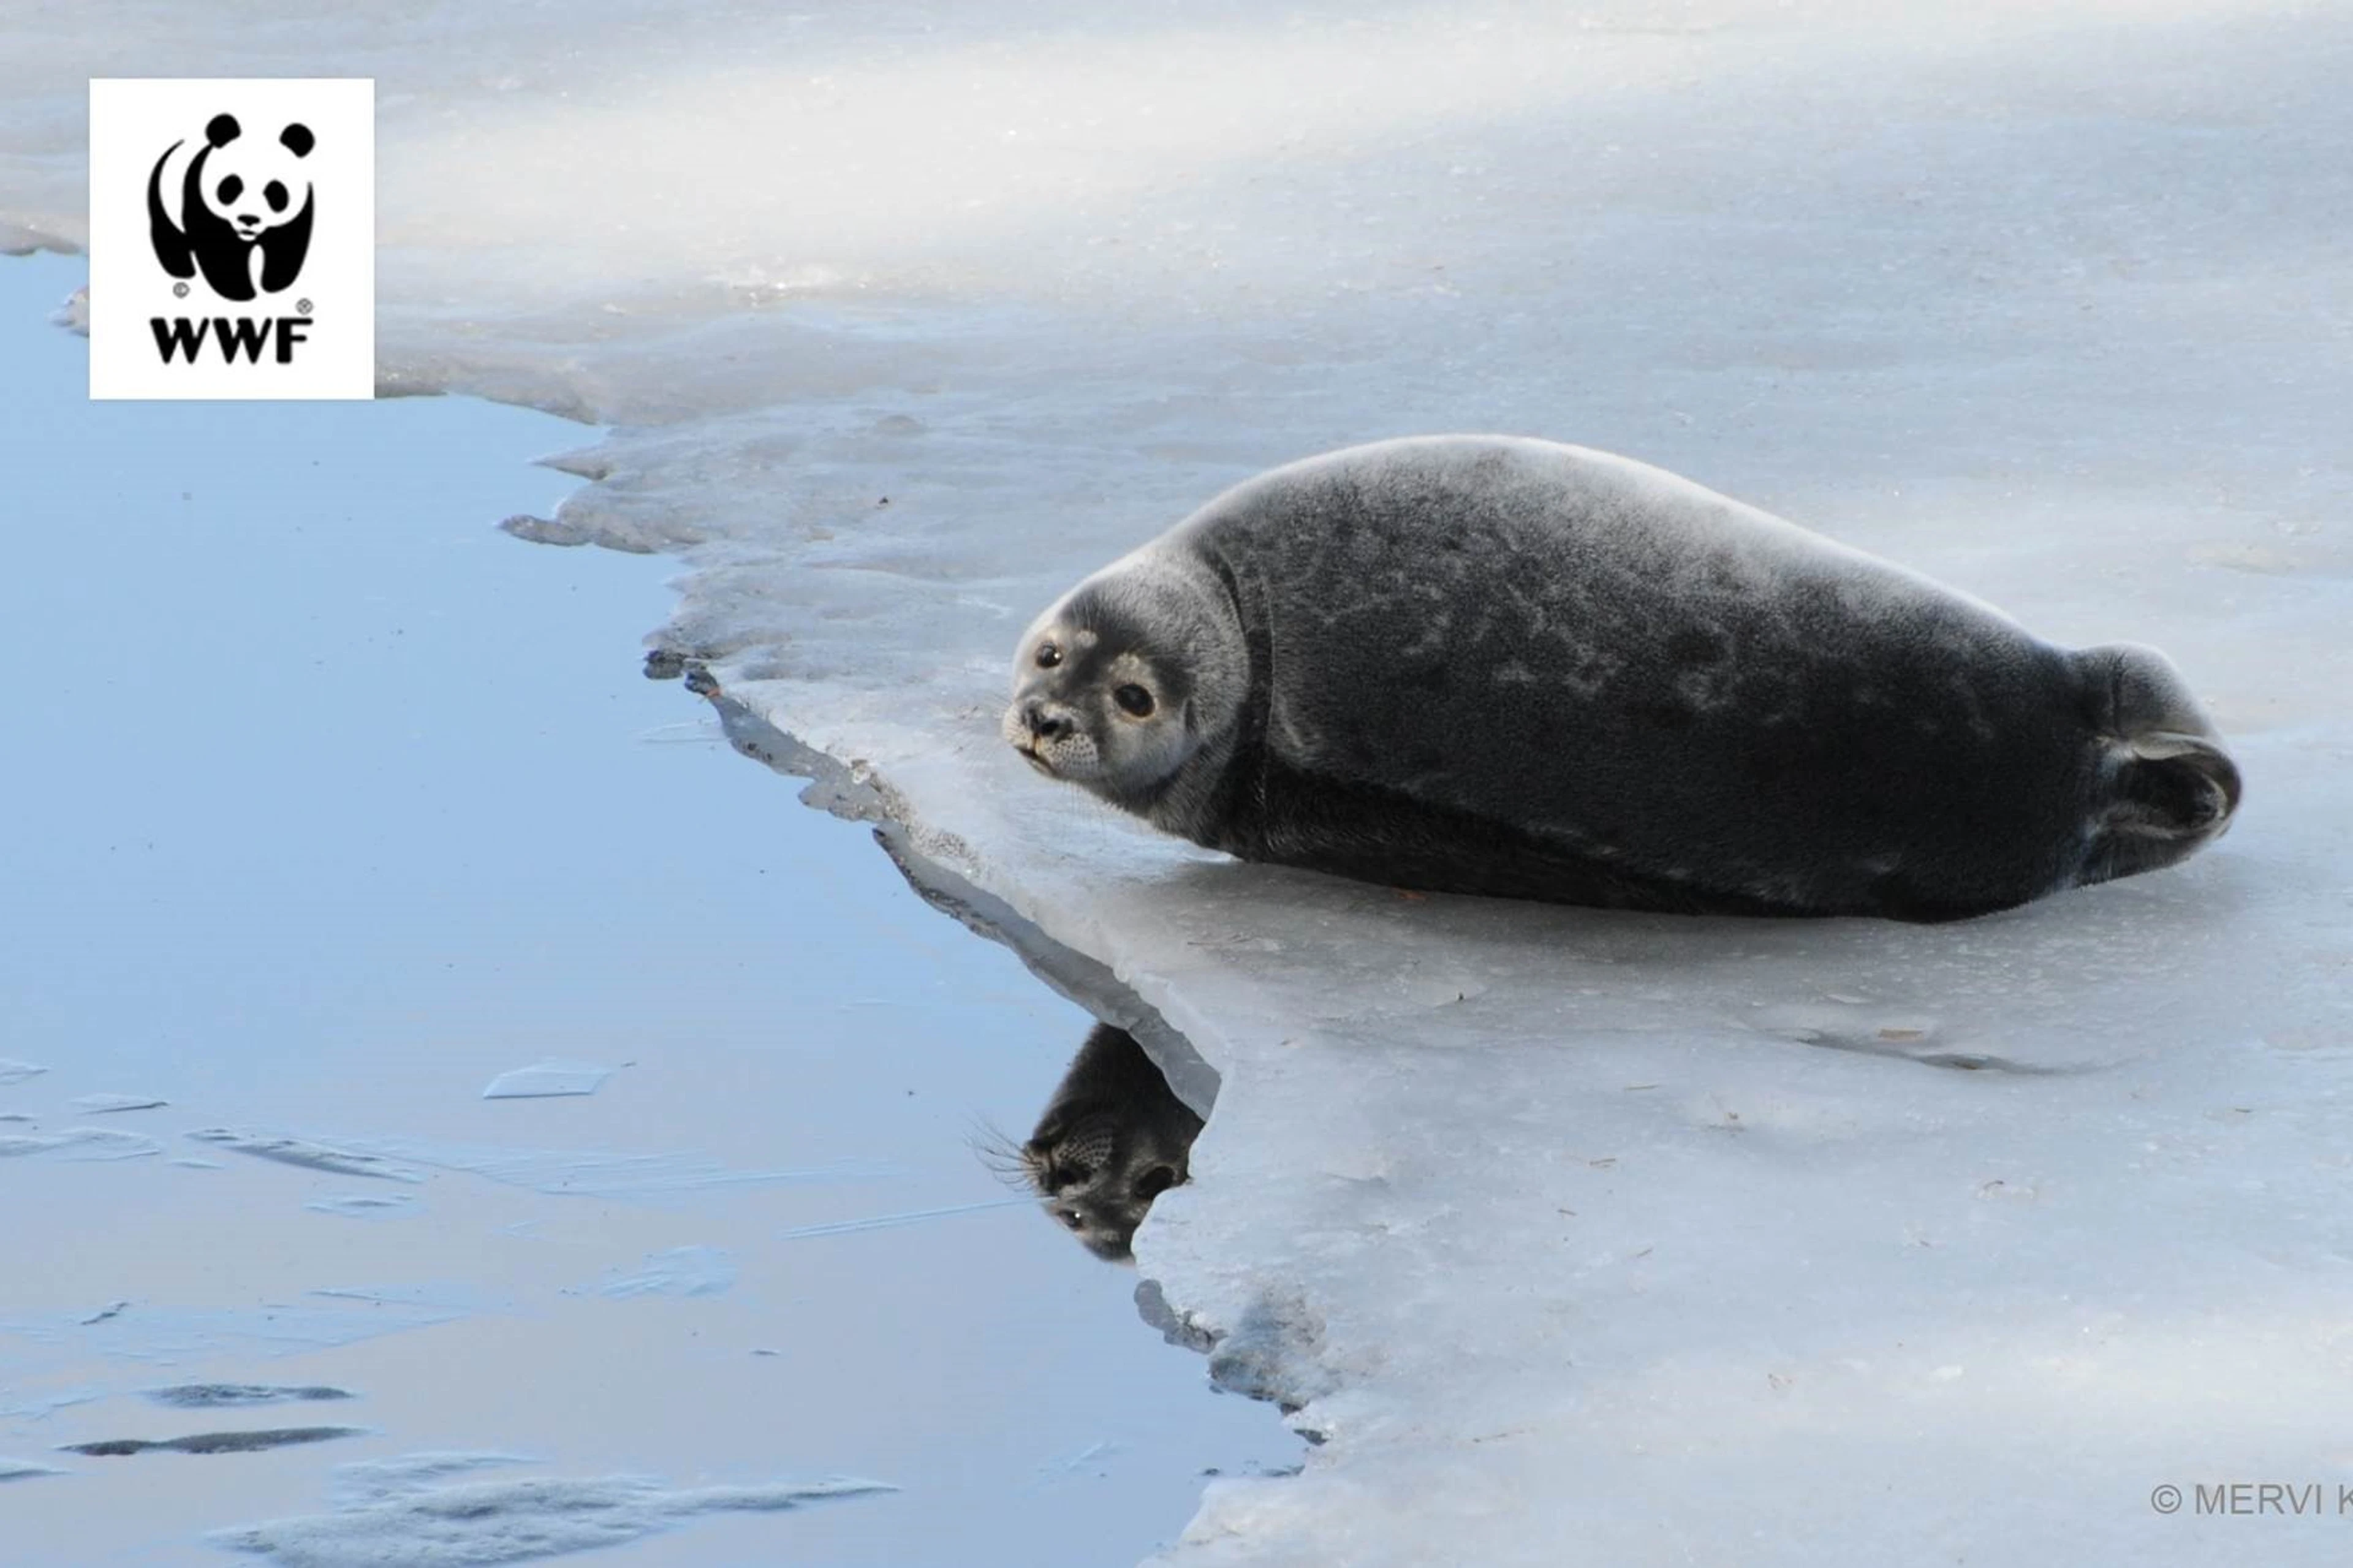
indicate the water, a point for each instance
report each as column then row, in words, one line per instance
column 328, row 806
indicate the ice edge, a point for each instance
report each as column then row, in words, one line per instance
column 1269, row 1354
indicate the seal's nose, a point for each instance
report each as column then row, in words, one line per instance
column 1045, row 726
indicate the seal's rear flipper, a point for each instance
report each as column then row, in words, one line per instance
column 2172, row 787
column 2166, row 785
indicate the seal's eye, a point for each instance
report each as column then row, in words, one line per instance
column 1135, row 700
column 1049, row 655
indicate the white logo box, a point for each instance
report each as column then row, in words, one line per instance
column 256, row 278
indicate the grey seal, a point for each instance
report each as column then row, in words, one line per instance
column 1494, row 665
column 1113, row 1138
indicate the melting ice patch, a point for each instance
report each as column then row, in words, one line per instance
column 79, row 1144
column 583, row 1173
column 452, row 1295
column 366, row 1206
column 370, row 1481
column 215, row 1396
column 110, row 1104
column 547, row 1080
column 398, row 1512
column 302, row 1152
column 681, row 1271
column 252, row 1442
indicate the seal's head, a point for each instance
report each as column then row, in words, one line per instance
column 1126, row 679
column 1114, row 1137
column 1097, row 1168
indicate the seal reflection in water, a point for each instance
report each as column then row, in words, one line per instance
column 1113, row 1138
column 1492, row 665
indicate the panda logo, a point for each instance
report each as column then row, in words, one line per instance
column 238, row 195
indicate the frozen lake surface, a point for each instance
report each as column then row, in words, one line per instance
column 1651, row 1240
column 330, row 807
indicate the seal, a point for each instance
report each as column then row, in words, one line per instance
column 1493, row 665
column 1113, row 1138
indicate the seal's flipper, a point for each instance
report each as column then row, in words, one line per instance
column 2168, row 794
column 2169, row 785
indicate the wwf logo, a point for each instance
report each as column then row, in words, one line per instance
column 239, row 210
column 215, row 270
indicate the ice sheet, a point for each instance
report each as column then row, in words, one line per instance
column 463, row 1524
column 547, row 1080
column 1575, row 1236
